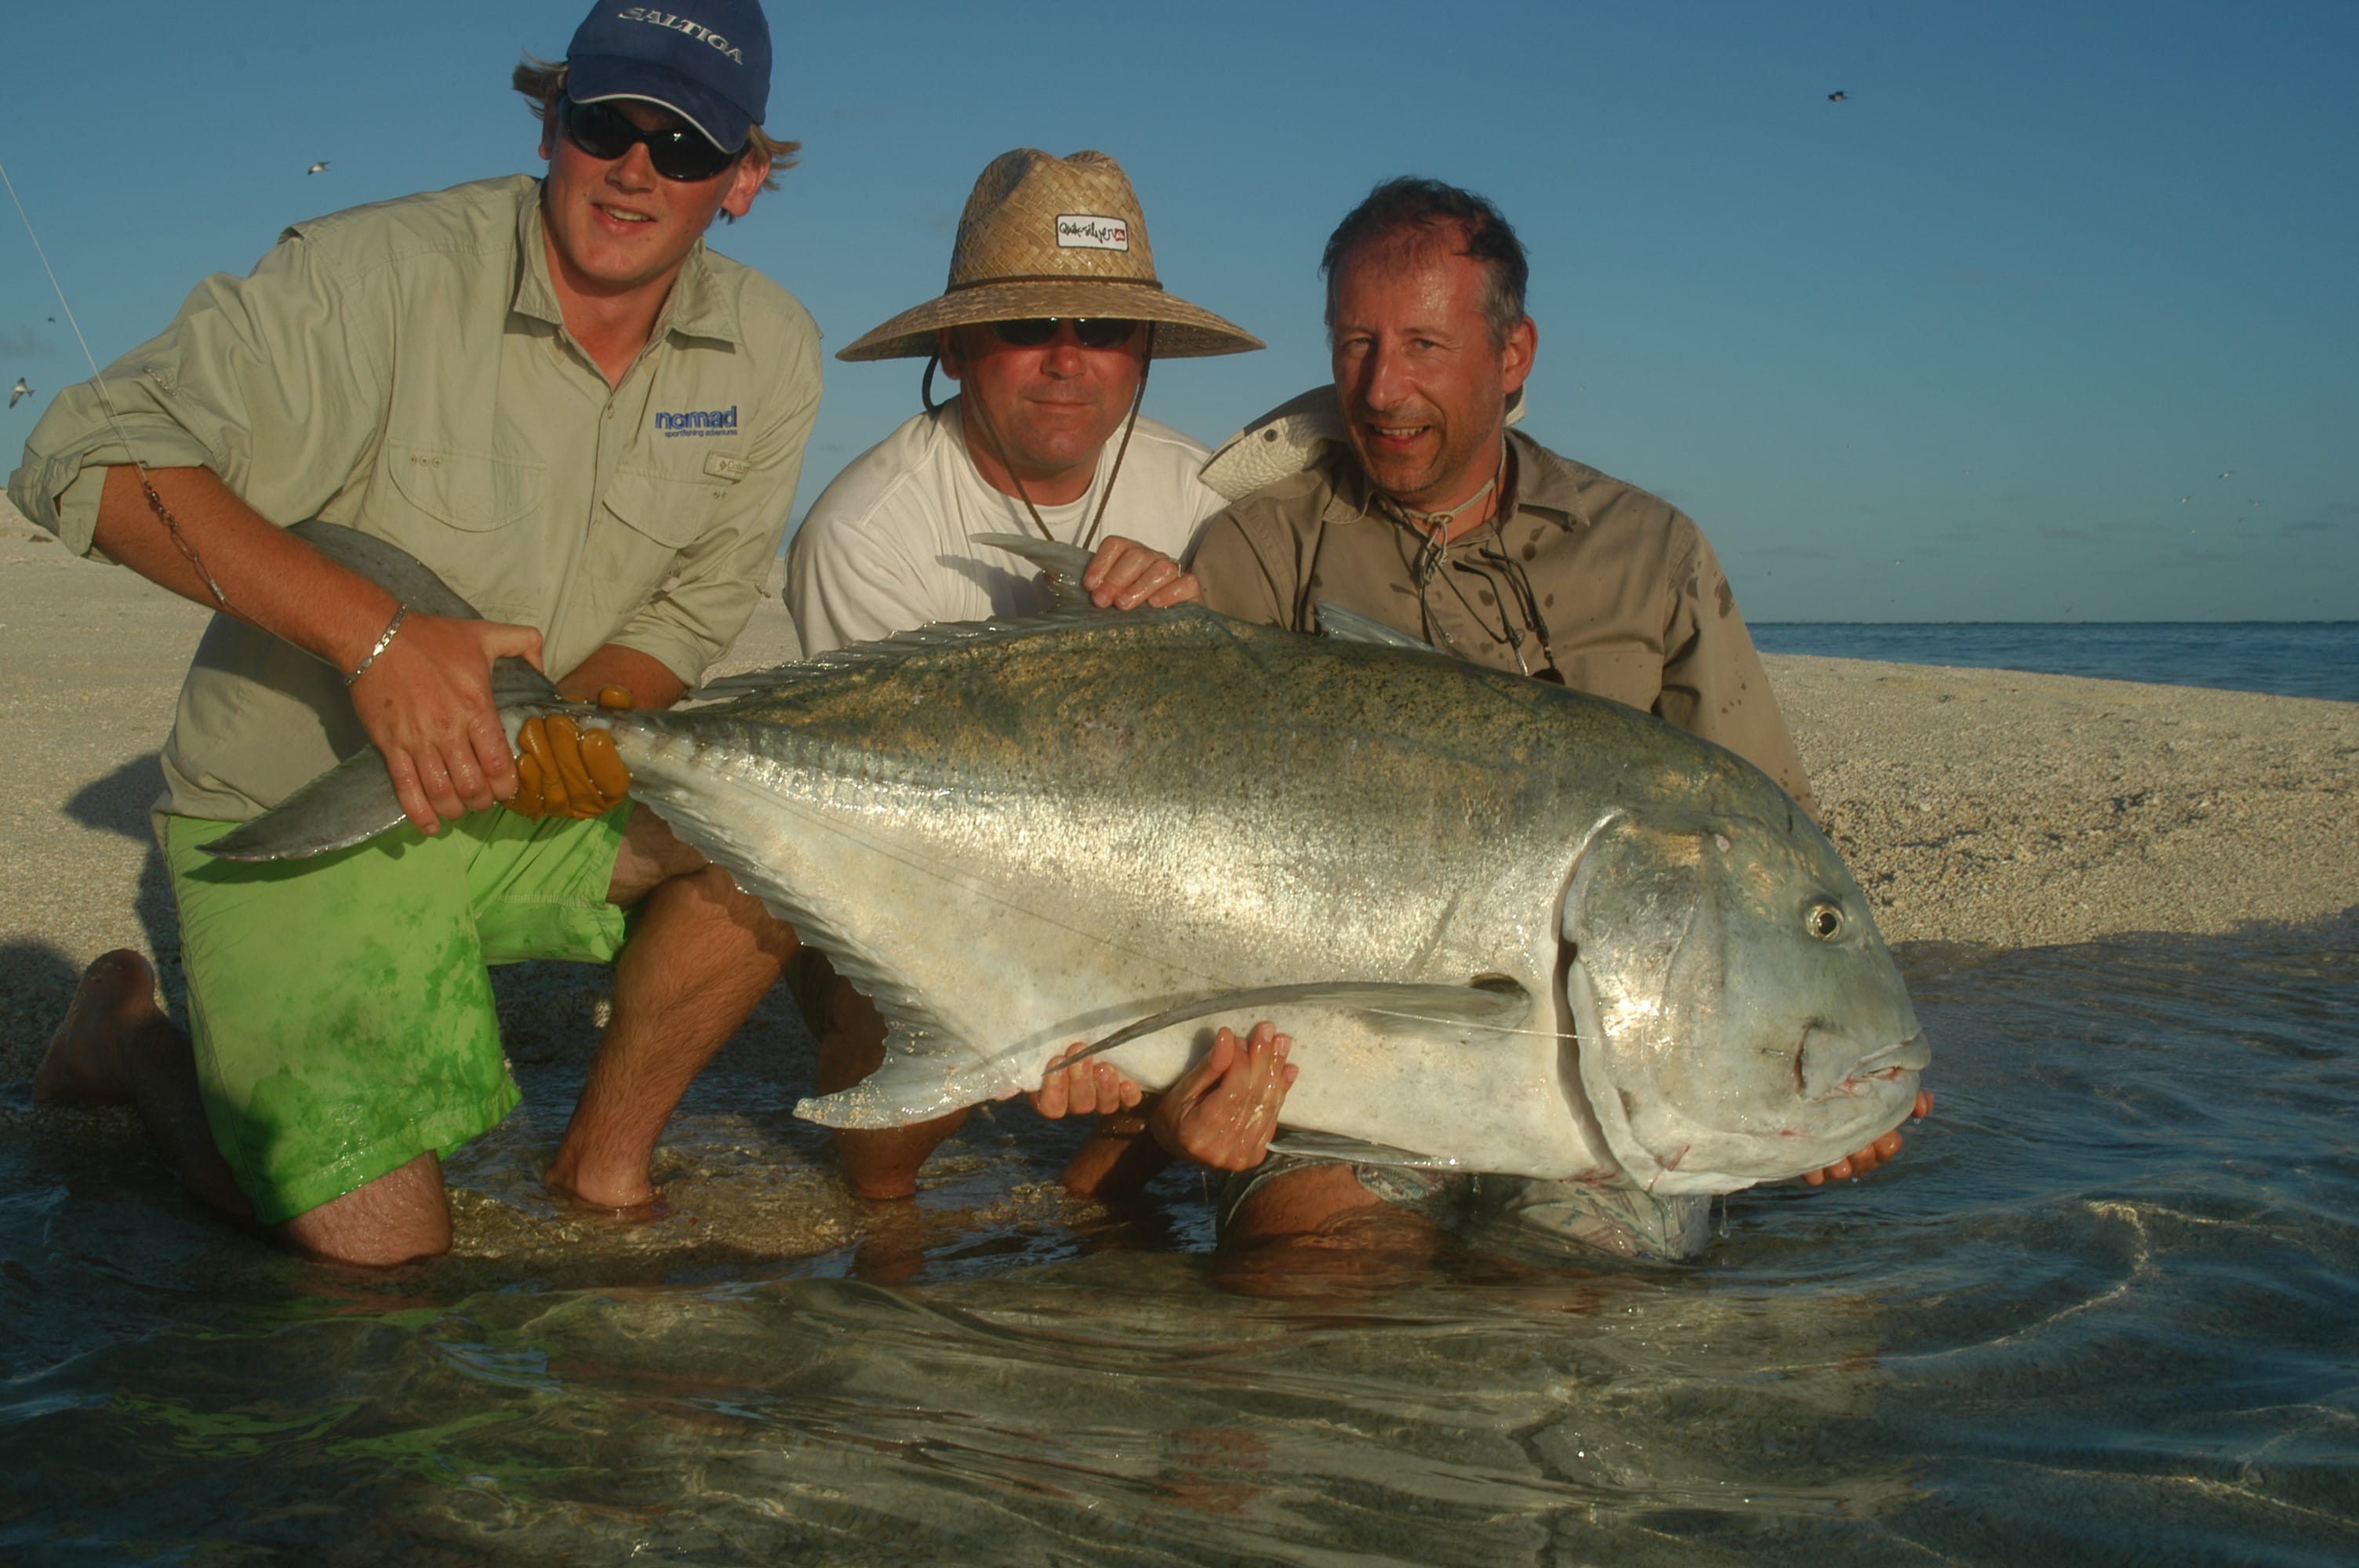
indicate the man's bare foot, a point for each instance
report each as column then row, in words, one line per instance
column 117, row 1047
column 622, row 1192
column 114, row 1004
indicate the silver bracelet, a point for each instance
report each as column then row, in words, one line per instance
column 381, row 644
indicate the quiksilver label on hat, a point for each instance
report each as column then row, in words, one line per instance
column 1080, row 230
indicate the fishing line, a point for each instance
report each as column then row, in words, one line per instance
column 114, row 415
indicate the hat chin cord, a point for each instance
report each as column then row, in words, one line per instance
column 999, row 449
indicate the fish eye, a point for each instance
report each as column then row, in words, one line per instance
column 1825, row 920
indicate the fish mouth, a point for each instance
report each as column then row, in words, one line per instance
column 1830, row 1065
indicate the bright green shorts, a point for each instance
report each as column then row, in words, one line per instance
column 340, row 1006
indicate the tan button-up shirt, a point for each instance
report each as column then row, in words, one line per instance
column 1613, row 586
column 403, row 368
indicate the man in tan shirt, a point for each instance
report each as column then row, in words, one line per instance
column 1431, row 516
column 590, row 426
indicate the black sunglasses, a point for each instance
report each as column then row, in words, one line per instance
column 678, row 151
column 1090, row 331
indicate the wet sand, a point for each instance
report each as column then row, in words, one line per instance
column 1977, row 806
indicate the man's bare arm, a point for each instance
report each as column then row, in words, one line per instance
column 425, row 700
column 648, row 680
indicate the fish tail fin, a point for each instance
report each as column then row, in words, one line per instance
column 354, row 801
column 349, row 803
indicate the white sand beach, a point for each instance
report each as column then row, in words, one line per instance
column 1977, row 807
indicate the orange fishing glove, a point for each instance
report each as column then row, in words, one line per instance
column 563, row 770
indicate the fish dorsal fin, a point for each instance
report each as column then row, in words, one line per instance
column 885, row 650
column 1351, row 626
column 939, row 634
column 1062, row 564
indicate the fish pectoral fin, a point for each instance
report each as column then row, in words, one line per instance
column 1488, row 1003
column 1303, row 1144
column 1351, row 626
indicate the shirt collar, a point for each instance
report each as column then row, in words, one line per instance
column 697, row 308
column 1545, row 485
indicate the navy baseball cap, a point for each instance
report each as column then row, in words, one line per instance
column 708, row 63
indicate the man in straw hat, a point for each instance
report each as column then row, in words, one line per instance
column 587, row 425
column 1051, row 319
column 1414, row 504
column 1052, row 316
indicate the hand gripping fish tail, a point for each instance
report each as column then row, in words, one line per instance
column 1511, row 928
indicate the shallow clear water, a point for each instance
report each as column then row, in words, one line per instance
column 2105, row 1309
column 2290, row 658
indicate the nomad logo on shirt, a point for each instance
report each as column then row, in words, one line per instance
column 699, row 422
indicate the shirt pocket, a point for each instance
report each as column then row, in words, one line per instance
column 473, row 491
column 644, row 520
column 462, row 513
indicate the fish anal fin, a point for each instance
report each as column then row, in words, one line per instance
column 924, row 1075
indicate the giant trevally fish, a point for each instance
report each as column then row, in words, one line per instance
column 1513, row 928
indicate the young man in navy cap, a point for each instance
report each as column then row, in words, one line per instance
column 590, row 426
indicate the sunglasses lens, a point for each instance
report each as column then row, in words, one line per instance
column 677, row 152
column 1090, row 331
column 1104, row 331
column 1028, row 334
column 685, row 155
column 598, row 130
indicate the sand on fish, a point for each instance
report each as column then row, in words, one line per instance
column 1977, row 806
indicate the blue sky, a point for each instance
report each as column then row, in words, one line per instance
column 2054, row 318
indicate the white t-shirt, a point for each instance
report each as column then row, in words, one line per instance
column 889, row 546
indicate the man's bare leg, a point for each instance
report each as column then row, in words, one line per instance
column 702, row 959
column 1317, row 1231
column 117, row 1047
column 400, row 1218
column 879, row 1163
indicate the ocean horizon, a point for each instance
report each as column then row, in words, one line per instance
column 2285, row 658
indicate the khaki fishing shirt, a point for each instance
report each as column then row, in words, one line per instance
column 1614, row 586
column 403, row 369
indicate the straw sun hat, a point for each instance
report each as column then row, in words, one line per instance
column 1053, row 236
